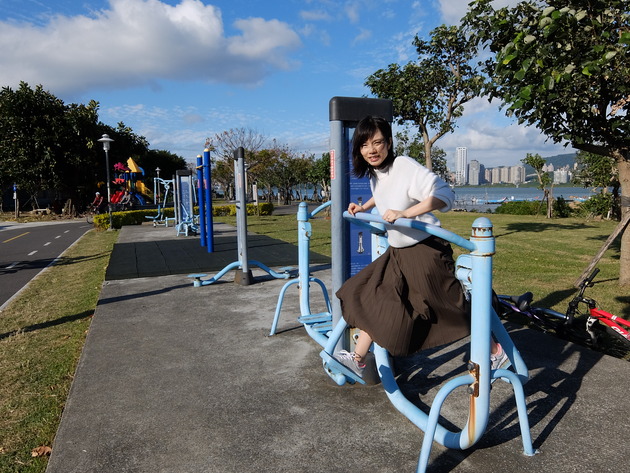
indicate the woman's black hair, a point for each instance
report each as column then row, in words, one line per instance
column 365, row 130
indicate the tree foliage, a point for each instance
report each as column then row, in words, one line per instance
column 545, row 183
column 413, row 147
column 168, row 163
column 563, row 66
column 431, row 92
column 47, row 146
column 319, row 175
column 599, row 172
column 223, row 145
column 43, row 141
column 595, row 171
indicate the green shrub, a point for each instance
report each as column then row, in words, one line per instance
column 561, row 208
column 597, row 205
column 138, row 217
column 230, row 210
column 128, row 217
column 527, row 207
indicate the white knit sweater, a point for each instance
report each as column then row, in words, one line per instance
column 404, row 184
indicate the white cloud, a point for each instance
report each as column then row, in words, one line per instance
column 454, row 10
column 136, row 42
column 499, row 145
column 315, row 15
column 363, row 35
column 351, row 10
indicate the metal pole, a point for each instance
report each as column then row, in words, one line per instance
column 207, row 173
column 244, row 278
column 109, row 191
column 201, row 202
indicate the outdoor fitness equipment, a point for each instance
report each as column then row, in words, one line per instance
column 243, row 275
column 474, row 270
column 160, row 218
column 184, row 198
column 204, row 197
column 320, row 324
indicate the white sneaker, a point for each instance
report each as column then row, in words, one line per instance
column 349, row 360
column 500, row 359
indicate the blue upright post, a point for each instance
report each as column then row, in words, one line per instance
column 201, row 201
column 349, row 251
column 207, row 180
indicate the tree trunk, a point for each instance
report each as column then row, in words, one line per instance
column 624, row 257
column 427, row 155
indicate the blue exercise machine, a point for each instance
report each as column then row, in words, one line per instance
column 186, row 222
column 160, row 219
column 204, row 198
column 243, row 274
column 349, row 248
column 320, row 324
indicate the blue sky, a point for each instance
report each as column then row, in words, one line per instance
column 178, row 71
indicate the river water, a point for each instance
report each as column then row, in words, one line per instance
column 484, row 198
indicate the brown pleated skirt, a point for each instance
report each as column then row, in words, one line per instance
column 408, row 299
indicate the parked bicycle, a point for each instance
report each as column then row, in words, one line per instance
column 583, row 322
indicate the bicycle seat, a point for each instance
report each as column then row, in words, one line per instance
column 523, row 301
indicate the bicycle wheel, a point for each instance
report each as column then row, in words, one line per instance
column 612, row 342
column 555, row 322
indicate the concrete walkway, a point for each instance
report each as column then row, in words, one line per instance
column 177, row 379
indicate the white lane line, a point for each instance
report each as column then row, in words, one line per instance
column 58, row 236
column 66, row 231
column 12, row 265
column 32, row 253
column 46, row 244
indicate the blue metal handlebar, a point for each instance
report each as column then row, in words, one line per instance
column 434, row 230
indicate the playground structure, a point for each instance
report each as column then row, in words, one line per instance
column 128, row 178
column 474, row 270
column 243, row 274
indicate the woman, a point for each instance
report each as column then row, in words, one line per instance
column 409, row 298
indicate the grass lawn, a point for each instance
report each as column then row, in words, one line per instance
column 532, row 253
column 43, row 331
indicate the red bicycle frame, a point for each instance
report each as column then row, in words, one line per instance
column 616, row 323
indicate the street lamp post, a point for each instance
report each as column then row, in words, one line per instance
column 106, row 140
column 156, row 191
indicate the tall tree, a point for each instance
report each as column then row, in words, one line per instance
column 413, row 147
column 264, row 169
column 563, row 66
column 43, row 141
column 319, row 175
column 431, row 92
column 545, row 183
column 599, row 172
column 223, row 146
column 165, row 160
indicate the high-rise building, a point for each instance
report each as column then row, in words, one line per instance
column 461, row 167
column 561, row 176
column 476, row 173
column 517, row 174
